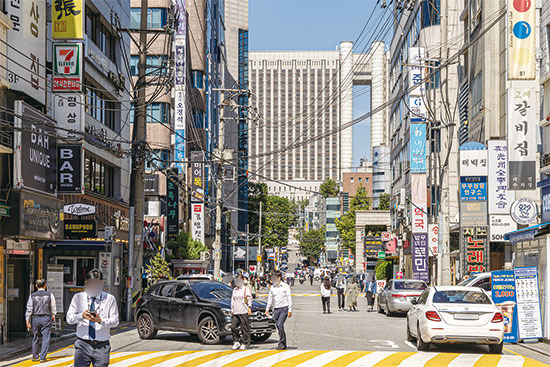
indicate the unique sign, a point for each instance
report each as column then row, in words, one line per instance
column 172, row 205
column 521, row 39
column 79, row 228
column 79, row 209
column 68, row 111
column 473, row 188
column 499, row 225
column 151, row 184
column 67, row 67
column 67, row 19
column 197, row 176
column 416, row 71
column 528, row 300
column 54, row 279
column 475, row 249
column 500, row 198
column 197, row 222
column 524, row 211
column 418, row 148
column 386, row 236
column 35, row 155
column 70, row 169
column 420, row 255
column 503, row 293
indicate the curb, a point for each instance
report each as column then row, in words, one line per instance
column 29, row 348
column 526, row 346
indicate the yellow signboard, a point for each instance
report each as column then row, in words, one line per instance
column 258, row 259
column 67, row 19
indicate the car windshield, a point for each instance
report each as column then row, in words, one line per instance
column 461, row 297
column 465, row 282
column 410, row 285
column 212, row 290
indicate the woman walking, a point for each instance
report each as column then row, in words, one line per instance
column 325, row 294
column 254, row 286
column 241, row 308
column 370, row 290
column 351, row 294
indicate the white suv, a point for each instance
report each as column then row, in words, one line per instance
column 481, row 280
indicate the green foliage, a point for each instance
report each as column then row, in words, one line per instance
column 257, row 192
column 184, row 247
column 312, row 243
column 329, row 188
column 158, row 269
column 383, row 269
column 278, row 218
column 384, row 202
column 346, row 223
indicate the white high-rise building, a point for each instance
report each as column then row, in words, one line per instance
column 305, row 99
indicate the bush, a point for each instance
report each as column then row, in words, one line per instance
column 383, row 269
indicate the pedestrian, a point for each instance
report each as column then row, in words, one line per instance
column 40, row 315
column 280, row 298
column 351, row 294
column 254, row 286
column 325, row 294
column 370, row 291
column 94, row 312
column 340, row 288
column 241, row 308
column 311, row 276
column 292, row 278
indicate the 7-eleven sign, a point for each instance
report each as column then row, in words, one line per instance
column 67, row 67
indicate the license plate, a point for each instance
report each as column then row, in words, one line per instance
column 466, row 316
column 260, row 324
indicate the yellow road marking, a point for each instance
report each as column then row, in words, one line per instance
column 207, row 358
column 529, row 362
column 346, row 359
column 293, row 361
column 441, row 359
column 160, row 359
column 394, row 359
column 487, row 360
column 245, row 361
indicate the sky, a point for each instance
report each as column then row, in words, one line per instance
column 284, row 25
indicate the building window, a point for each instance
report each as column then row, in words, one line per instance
column 134, row 60
column 156, row 18
column 157, row 112
column 430, row 13
column 366, row 179
column 100, row 35
column 359, row 179
column 477, row 93
column 99, row 105
column 158, row 159
column 351, row 179
column 156, row 64
column 99, row 177
column 197, row 79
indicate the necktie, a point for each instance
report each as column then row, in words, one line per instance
column 91, row 327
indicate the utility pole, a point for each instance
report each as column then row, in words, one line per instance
column 138, row 165
column 260, row 252
column 247, row 240
column 218, row 240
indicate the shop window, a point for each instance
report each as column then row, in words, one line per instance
column 156, row 18
column 99, row 177
column 75, row 269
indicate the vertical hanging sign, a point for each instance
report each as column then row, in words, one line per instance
column 172, row 205
column 521, row 39
column 67, row 19
column 179, row 86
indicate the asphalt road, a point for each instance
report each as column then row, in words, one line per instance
column 308, row 329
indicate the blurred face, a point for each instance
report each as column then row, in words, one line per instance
column 93, row 287
column 239, row 282
column 275, row 280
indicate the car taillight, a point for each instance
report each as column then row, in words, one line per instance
column 398, row 296
column 498, row 317
column 432, row 316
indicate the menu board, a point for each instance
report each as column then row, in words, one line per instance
column 55, row 285
column 503, row 292
column 528, row 302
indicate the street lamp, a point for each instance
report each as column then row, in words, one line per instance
column 233, row 242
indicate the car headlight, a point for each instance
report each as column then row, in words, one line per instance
column 226, row 311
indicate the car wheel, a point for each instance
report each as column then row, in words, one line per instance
column 388, row 312
column 208, row 331
column 145, row 327
column 496, row 348
column 410, row 338
column 379, row 309
column 258, row 338
column 420, row 345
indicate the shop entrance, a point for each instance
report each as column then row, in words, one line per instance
column 18, row 281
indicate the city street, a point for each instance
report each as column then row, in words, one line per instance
column 315, row 339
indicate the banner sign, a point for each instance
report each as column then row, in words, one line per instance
column 151, row 184
column 528, row 300
column 179, row 126
column 418, row 148
column 67, row 19
column 67, row 67
column 499, row 197
column 503, row 293
column 172, row 205
column 473, row 213
column 521, row 39
column 35, row 154
column 419, row 210
column 418, row 109
column 197, row 222
column 473, row 162
column 416, row 71
column 54, row 279
column 79, row 209
column 473, row 188
column 79, row 228
column 68, row 111
column 499, row 225
column 522, row 136
column 433, row 239
column 70, row 169
column 545, row 203
column 105, row 266
column 475, row 249
column 420, row 257
column 26, row 59
column 179, row 79
column 197, row 175
column 372, row 244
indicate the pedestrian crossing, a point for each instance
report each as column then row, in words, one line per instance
column 302, row 358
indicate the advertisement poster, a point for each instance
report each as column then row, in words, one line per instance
column 418, row 148
column 172, row 205
column 521, row 39
column 197, row 222
column 503, row 292
column 54, row 280
column 528, row 302
column 421, row 269
column 105, row 264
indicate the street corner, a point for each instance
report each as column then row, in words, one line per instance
column 270, row 358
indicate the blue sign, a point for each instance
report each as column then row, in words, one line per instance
column 545, row 203
column 473, row 188
column 179, row 150
column 418, row 148
column 503, row 292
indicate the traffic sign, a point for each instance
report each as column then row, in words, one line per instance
column 252, row 268
column 351, row 256
column 386, row 236
column 381, row 255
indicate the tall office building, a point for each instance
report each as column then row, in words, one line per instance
column 305, row 98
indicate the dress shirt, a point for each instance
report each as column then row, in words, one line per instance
column 105, row 306
column 53, row 307
column 279, row 296
column 325, row 292
column 239, row 306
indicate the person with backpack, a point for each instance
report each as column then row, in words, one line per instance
column 370, row 291
column 40, row 315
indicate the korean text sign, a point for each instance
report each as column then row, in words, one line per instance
column 420, row 257
column 67, row 19
column 503, row 292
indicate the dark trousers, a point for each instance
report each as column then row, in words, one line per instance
column 326, row 303
column 86, row 353
column 341, row 298
column 370, row 299
column 310, row 280
column 41, row 328
column 279, row 316
column 240, row 329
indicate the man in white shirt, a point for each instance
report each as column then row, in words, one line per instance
column 94, row 312
column 280, row 298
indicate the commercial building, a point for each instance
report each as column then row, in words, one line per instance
column 351, row 181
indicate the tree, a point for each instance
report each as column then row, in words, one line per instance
column 278, row 218
column 312, row 243
column 158, row 269
column 329, row 188
column 257, row 192
column 383, row 269
column 384, row 202
column 346, row 223
column 185, row 247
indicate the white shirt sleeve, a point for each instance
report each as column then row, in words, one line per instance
column 28, row 312
column 289, row 298
column 112, row 318
column 53, row 305
column 74, row 314
column 269, row 298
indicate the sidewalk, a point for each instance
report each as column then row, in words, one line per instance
column 539, row 347
column 18, row 346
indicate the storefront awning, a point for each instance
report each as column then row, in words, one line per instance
column 77, row 244
column 525, row 234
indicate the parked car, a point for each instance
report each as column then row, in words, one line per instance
column 455, row 314
column 200, row 308
column 196, row 277
column 397, row 295
column 481, row 280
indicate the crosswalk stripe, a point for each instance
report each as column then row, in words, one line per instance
column 441, row 359
column 162, row 358
column 511, row 361
column 487, row 360
column 269, row 361
column 181, row 360
column 132, row 360
column 245, row 361
column 533, row 363
column 394, row 359
column 299, row 358
column 370, row 359
column 346, row 359
column 417, row 359
column 207, row 358
column 230, row 358
column 464, row 360
column 323, row 358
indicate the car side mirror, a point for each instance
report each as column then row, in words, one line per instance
column 414, row 301
column 189, row 297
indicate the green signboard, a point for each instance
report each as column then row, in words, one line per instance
column 381, row 255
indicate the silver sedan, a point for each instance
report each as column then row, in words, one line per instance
column 397, row 295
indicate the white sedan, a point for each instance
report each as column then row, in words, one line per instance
column 453, row 314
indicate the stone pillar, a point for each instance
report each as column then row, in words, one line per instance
column 359, row 250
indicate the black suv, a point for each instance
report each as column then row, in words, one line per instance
column 200, row 308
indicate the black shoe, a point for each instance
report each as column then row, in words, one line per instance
column 281, row 347
column 35, row 359
column 324, row 312
column 328, row 312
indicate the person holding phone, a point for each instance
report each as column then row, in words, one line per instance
column 94, row 312
column 241, row 308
